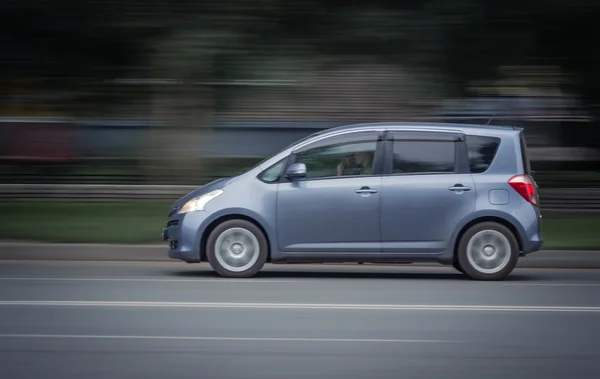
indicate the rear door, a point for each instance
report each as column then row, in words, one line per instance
column 426, row 191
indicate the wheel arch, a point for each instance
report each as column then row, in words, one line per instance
column 233, row 216
column 497, row 219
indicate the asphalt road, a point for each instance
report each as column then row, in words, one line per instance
column 157, row 253
column 172, row 320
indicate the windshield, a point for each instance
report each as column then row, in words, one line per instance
column 290, row 145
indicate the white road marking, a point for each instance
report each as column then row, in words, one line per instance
column 398, row 307
column 269, row 339
column 554, row 284
column 224, row 280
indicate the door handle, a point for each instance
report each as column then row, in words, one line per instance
column 366, row 190
column 459, row 187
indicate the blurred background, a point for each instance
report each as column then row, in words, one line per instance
column 111, row 110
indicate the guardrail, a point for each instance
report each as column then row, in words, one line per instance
column 587, row 199
column 578, row 199
column 91, row 192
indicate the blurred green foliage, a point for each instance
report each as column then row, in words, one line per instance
column 143, row 223
column 79, row 223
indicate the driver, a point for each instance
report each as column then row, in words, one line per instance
column 361, row 163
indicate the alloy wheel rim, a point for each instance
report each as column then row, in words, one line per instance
column 237, row 249
column 489, row 251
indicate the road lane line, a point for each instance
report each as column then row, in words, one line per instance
column 183, row 338
column 399, row 307
column 224, row 280
column 553, row 284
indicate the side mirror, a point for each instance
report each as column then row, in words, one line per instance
column 296, row 171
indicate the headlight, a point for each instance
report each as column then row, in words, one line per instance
column 198, row 203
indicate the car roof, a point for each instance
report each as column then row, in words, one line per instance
column 474, row 129
column 399, row 126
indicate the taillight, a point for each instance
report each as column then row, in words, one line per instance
column 525, row 187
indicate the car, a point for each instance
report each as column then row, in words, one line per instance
column 455, row 194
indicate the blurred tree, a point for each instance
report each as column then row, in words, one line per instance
column 311, row 58
column 184, row 62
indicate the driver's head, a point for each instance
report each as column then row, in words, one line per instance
column 362, row 157
column 349, row 159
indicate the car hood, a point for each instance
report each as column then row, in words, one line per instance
column 215, row 184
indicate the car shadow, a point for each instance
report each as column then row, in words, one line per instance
column 338, row 274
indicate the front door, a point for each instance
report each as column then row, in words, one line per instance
column 335, row 209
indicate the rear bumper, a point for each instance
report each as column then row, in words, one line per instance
column 532, row 246
column 533, row 240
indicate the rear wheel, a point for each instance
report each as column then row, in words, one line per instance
column 488, row 251
column 237, row 249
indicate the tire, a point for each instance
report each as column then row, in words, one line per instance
column 481, row 247
column 238, row 258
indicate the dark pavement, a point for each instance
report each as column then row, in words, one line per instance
column 25, row 251
column 172, row 320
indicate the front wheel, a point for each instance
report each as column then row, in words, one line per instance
column 488, row 251
column 237, row 249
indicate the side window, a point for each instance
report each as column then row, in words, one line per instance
column 423, row 157
column 482, row 151
column 273, row 173
column 350, row 158
column 524, row 155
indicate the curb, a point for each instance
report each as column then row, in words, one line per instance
column 158, row 253
column 84, row 252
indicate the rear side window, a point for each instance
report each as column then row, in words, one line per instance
column 482, row 151
column 424, row 157
column 524, row 156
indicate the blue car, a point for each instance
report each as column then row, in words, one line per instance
column 460, row 195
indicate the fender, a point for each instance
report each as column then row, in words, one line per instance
column 256, row 217
column 483, row 214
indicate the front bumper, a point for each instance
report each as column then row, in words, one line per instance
column 183, row 234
